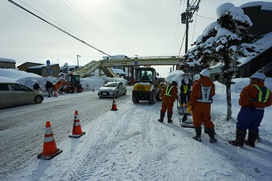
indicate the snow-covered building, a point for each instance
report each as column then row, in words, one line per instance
column 40, row 69
column 7, row 63
column 260, row 13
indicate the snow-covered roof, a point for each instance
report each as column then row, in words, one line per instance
column 118, row 71
column 262, row 45
column 7, row 60
column 39, row 66
column 264, row 5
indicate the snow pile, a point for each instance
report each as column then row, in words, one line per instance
column 28, row 79
column 12, row 75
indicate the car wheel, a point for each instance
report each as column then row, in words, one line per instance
column 125, row 93
column 116, row 95
column 38, row 99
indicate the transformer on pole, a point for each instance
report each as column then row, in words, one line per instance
column 186, row 18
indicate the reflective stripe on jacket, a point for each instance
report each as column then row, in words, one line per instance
column 168, row 91
column 184, row 89
column 264, row 94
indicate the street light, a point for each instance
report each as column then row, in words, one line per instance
column 78, row 61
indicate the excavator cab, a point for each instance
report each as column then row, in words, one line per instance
column 74, row 80
column 145, row 75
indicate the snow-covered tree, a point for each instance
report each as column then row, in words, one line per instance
column 220, row 45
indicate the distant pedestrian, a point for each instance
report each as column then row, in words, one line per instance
column 184, row 88
column 200, row 104
column 49, row 88
column 253, row 99
column 36, row 86
column 190, row 85
column 169, row 95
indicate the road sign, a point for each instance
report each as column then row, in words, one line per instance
column 48, row 70
column 48, row 62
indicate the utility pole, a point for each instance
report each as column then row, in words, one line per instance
column 186, row 18
column 78, row 61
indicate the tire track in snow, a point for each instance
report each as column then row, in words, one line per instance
column 104, row 147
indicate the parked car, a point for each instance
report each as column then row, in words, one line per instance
column 112, row 89
column 14, row 94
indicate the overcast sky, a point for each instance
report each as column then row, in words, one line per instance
column 129, row 27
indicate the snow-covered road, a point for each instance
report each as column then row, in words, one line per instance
column 128, row 144
column 22, row 128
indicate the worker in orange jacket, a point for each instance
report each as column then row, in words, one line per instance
column 253, row 99
column 169, row 95
column 200, row 104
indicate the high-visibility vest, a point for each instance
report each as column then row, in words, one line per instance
column 205, row 94
column 168, row 91
column 185, row 89
column 263, row 95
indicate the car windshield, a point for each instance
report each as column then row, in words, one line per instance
column 111, row 84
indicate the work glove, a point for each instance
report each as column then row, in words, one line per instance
column 189, row 109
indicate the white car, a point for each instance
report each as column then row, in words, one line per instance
column 14, row 94
column 112, row 89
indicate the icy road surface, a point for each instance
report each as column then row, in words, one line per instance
column 128, row 144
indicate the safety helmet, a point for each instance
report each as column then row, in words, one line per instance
column 258, row 75
column 196, row 77
column 205, row 73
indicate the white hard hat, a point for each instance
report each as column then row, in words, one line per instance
column 196, row 77
column 258, row 75
column 205, row 73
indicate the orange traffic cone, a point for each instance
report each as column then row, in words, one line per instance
column 114, row 107
column 77, row 132
column 50, row 149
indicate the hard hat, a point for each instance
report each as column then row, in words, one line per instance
column 205, row 73
column 258, row 75
column 196, row 77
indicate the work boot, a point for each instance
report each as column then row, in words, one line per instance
column 211, row 132
column 169, row 116
column 252, row 137
column 161, row 117
column 240, row 137
column 197, row 137
column 206, row 130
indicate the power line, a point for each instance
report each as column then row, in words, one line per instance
column 59, row 28
column 87, row 20
column 204, row 17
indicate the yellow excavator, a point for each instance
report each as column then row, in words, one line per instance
column 147, row 86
